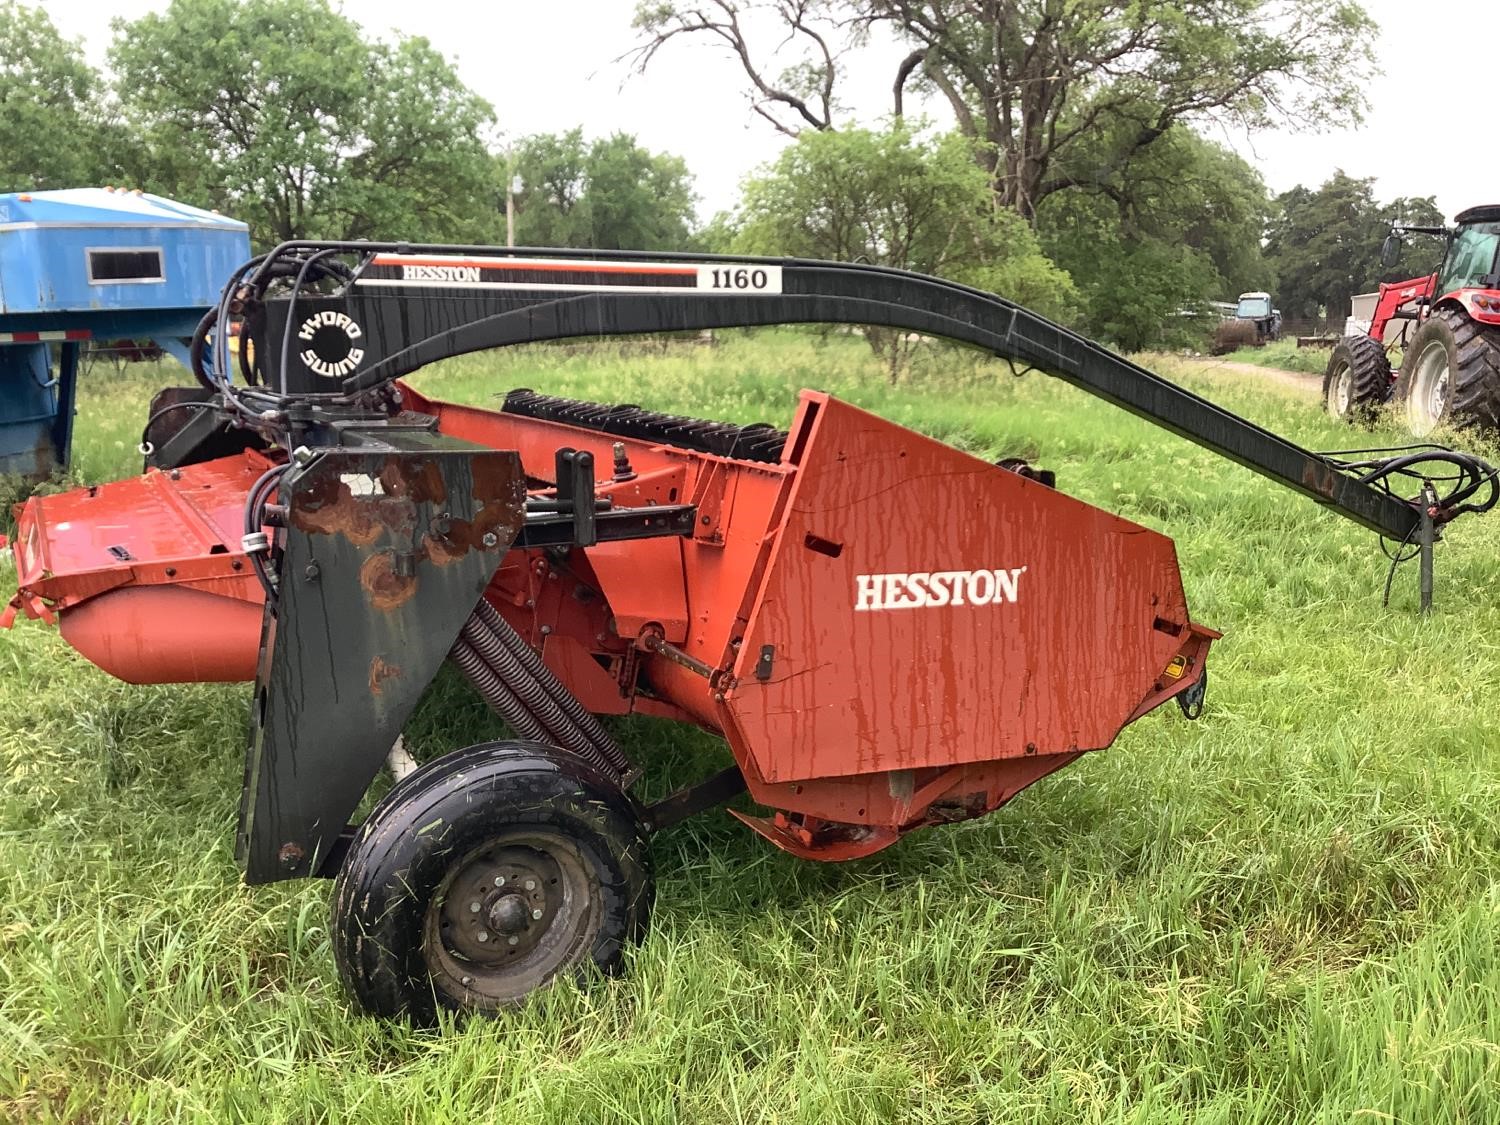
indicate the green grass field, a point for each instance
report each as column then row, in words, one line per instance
column 1288, row 911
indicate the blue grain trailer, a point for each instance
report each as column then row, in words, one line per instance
column 88, row 264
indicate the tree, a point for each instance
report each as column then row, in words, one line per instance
column 610, row 194
column 1325, row 244
column 281, row 113
column 1035, row 82
column 892, row 199
column 49, row 130
column 1179, row 225
column 1420, row 253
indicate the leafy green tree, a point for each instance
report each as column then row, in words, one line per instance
column 1037, row 82
column 1178, row 226
column 892, row 199
column 609, row 194
column 1324, row 244
column 281, row 113
column 49, row 129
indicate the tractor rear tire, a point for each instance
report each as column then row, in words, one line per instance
column 484, row 876
column 1358, row 379
column 1451, row 374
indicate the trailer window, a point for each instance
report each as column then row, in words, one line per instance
column 125, row 267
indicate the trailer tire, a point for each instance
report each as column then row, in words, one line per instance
column 1357, row 380
column 551, row 867
column 1451, row 374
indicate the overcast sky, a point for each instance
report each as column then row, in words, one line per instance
column 548, row 65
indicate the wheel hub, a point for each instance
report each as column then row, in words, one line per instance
column 500, row 905
column 510, row 916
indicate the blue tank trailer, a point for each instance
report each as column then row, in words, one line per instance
column 86, row 264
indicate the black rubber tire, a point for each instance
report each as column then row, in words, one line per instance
column 495, row 798
column 1369, row 371
column 1473, row 352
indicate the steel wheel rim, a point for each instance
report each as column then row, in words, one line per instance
column 1341, row 390
column 1427, row 403
column 530, row 932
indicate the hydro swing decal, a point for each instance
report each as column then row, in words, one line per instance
column 569, row 274
column 330, row 347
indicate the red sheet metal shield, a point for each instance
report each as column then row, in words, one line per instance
column 924, row 608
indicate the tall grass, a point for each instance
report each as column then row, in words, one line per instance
column 1287, row 911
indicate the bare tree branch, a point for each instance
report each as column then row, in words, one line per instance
column 720, row 19
column 903, row 73
column 1043, row 85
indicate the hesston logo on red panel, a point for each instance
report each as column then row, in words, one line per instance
column 930, row 590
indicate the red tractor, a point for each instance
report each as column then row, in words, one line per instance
column 1450, row 375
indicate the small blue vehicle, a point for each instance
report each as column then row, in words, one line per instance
column 94, row 264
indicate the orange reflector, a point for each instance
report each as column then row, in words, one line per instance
column 1176, row 667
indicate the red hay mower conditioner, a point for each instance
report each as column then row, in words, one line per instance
column 887, row 632
column 1450, row 373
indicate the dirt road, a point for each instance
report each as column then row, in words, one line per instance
column 1296, row 380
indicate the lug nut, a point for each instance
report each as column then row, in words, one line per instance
column 536, row 913
column 531, row 884
column 483, row 935
column 499, row 880
column 513, row 940
column 473, row 908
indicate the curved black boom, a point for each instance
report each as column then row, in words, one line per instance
column 359, row 315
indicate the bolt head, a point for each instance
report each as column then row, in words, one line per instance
column 536, row 913
column 483, row 935
column 490, row 539
column 531, row 884
column 513, row 940
column 499, row 880
column 474, row 908
column 468, row 980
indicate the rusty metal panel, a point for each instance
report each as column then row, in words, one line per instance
column 385, row 552
column 866, row 650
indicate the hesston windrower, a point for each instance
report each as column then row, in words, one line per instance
column 887, row 632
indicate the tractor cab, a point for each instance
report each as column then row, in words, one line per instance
column 1253, row 306
column 1469, row 257
column 1470, row 260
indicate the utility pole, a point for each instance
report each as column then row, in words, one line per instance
column 512, row 189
